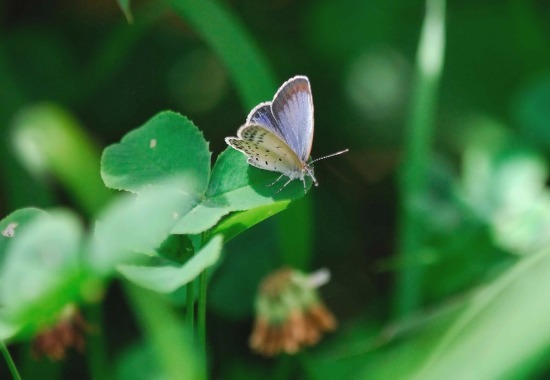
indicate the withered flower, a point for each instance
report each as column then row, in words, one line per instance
column 54, row 341
column 289, row 312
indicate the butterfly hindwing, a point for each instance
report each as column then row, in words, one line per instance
column 265, row 150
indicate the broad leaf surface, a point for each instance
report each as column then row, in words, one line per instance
column 166, row 279
column 236, row 186
column 38, row 274
column 136, row 224
column 11, row 224
column 166, row 146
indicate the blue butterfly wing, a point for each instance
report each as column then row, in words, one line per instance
column 262, row 115
column 292, row 115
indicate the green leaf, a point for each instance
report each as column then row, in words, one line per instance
column 170, row 146
column 508, row 319
column 7, row 329
column 11, row 224
column 236, row 186
column 418, row 150
column 136, row 224
column 166, row 146
column 176, row 248
column 49, row 140
column 500, row 332
column 40, row 268
column 239, row 222
column 169, row 278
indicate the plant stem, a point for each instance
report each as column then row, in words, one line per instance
column 190, row 309
column 202, row 311
column 414, row 174
column 11, row 364
column 203, row 281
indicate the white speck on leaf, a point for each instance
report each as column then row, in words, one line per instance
column 9, row 231
column 153, row 143
column 175, row 215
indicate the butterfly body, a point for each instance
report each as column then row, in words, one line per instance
column 278, row 135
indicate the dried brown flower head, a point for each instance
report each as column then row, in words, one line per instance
column 289, row 313
column 54, row 341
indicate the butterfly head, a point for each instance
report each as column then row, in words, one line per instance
column 307, row 168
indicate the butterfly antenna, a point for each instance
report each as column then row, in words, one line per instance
column 330, row 155
column 310, row 172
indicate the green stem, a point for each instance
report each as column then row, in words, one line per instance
column 203, row 283
column 202, row 311
column 11, row 364
column 190, row 309
column 414, row 175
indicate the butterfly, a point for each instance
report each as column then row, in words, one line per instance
column 278, row 135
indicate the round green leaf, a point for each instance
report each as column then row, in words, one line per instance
column 11, row 224
column 38, row 274
column 166, row 146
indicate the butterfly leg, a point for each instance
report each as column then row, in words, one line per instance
column 304, row 182
column 277, row 180
column 285, row 185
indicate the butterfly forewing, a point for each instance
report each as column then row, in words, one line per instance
column 292, row 109
column 265, row 150
column 262, row 115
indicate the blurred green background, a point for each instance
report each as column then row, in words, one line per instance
column 79, row 69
